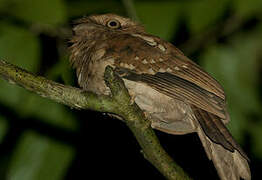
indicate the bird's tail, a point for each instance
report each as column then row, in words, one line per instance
column 229, row 165
column 229, row 159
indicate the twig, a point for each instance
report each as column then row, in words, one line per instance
column 119, row 103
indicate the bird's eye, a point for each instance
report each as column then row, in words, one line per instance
column 113, row 24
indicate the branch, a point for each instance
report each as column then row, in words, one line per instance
column 70, row 96
column 119, row 103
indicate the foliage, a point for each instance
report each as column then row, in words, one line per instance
column 227, row 34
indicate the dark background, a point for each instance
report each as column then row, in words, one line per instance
column 43, row 140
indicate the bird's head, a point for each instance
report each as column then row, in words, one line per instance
column 103, row 26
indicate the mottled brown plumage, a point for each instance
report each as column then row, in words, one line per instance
column 177, row 94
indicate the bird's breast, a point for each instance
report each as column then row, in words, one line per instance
column 95, row 81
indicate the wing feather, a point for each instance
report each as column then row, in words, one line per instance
column 208, row 108
column 180, row 89
column 125, row 48
column 173, row 74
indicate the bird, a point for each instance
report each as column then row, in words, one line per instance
column 177, row 95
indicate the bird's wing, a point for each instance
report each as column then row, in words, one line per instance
column 137, row 60
column 228, row 157
column 174, row 74
column 171, row 73
column 197, row 97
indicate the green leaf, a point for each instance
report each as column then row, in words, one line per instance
column 245, row 9
column 3, row 128
column 80, row 8
column 202, row 14
column 237, row 123
column 62, row 68
column 256, row 142
column 236, row 66
column 37, row 157
column 160, row 18
column 20, row 47
column 2, row 4
column 221, row 63
column 51, row 12
column 47, row 111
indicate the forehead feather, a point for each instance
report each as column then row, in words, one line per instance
column 104, row 18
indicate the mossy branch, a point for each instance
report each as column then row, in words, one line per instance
column 119, row 103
